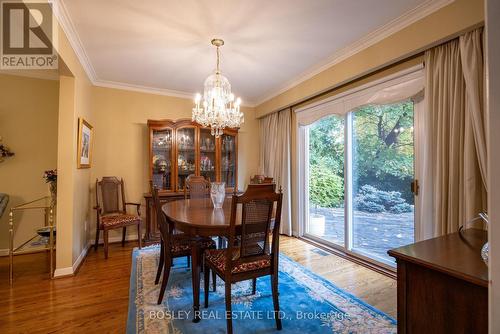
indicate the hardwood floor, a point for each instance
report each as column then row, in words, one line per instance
column 96, row 299
column 374, row 288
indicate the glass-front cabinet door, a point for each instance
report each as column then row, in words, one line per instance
column 161, row 155
column 207, row 155
column 179, row 148
column 186, row 154
column 229, row 150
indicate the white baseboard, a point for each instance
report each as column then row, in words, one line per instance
column 67, row 271
column 71, row 270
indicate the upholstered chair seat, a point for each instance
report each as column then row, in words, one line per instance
column 119, row 220
column 217, row 258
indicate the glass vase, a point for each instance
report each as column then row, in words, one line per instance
column 217, row 194
column 53, row 193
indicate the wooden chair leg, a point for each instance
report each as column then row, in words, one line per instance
column 214, row 280
column 206, row 278
column 105, row 244
column 254, row 285
column 96, row 238
column 229, row 320
column 124, row 233
column 164, row 281
column 274, row 288
column 139, row 234
column 160, row 264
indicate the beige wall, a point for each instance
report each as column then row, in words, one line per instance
column 73, row 198
column 448, row 21
column 120, row 127
column 28, row 125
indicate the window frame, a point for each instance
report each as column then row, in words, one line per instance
column 302, row 162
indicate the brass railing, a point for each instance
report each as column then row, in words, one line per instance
column 44, row 204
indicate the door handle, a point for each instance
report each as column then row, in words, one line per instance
column 415, row 187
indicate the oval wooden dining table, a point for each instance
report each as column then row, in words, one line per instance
column 198, row 217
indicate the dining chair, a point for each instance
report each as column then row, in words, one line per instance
column 249, row 255
column 111, row 210
column 173, row 245
column 197, row 187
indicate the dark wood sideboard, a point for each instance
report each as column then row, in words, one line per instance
column 442, row 285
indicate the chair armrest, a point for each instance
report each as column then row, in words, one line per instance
column 137, row 206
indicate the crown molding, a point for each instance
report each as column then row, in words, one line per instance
column 61, row 13
column 143, row 89
column 426, row 8
column 151, row 90
column 52, row 75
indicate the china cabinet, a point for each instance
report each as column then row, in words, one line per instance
column 178, row 148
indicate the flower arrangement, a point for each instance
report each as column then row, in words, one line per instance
column 50, row 175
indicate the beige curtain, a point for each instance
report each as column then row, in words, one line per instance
column 458, row 191
column 275, row 136
column 471, row 51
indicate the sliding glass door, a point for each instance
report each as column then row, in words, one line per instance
column 382, row 171
column 326, row 180
column 359, row 169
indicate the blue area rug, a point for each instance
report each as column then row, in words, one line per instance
column 309, row 303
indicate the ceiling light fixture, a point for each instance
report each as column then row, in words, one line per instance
column 219, row 108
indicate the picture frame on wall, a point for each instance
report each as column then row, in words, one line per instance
column 85, row 141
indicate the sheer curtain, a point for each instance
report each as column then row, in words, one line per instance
column 275, row 137
column 454, row 132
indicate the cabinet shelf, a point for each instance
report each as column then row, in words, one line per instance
column 207, row 151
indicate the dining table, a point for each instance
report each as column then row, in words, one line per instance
column 199, row 218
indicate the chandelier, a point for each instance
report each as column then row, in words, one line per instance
column 217, row 108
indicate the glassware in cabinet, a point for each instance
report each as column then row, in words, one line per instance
column 186, row 155
column 161, row 156
column 228, row 160
column 207, row 154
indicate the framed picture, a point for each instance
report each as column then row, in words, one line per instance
column 85, row 141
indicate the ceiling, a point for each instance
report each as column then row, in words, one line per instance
column 165, row 44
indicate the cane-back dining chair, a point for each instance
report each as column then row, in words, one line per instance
column 173, row 245
column 199, row 187
column 196, row 187
column 249, row 255
column 111, row 211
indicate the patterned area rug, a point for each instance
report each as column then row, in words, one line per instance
column 309, row 303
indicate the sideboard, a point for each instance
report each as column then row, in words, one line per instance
column 442, row 285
